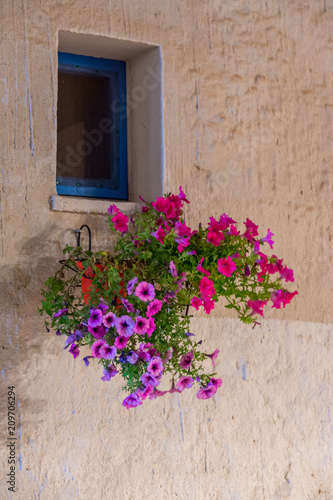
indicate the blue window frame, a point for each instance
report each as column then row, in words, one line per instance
column 91, row 127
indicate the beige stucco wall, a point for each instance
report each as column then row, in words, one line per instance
column 248, row 130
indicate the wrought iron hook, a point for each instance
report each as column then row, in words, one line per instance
column 79, row 231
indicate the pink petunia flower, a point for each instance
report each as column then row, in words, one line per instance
column 196, row 303
column 287, row 274
column 213, row 355
column 281, row 298
column 207, row 289
column 159, row 235
column 207, row 392
column 226, row 266
column 74, row 350
column 144, row 393
column 186, row 360
column 268, row 238
column 155, row 366
column 184, row 382
column 98, row 332
column 141, row 325
column 201, row 269
column 154, row 307
column 216, row 382
column 152, row 326
column 121, row 342
column 145, row 291
column 182, row 196
column 113, row 210
column 251, row 230
column 96, row 348
column 120, row 222
column 257, row 306
column 109, row 320
column 208, row 305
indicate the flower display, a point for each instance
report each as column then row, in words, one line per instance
column 131, row 317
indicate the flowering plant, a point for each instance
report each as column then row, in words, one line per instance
column 132, row 314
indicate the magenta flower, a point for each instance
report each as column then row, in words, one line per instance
column 216, row 382
column 196, row 303
column 113, row 210
column 182, row 196
column 154, row 307
column 98, row 331
column 184, row 382
column 186, row 360
column 159, row 235
column 155, row 366
column 207, row 288
column 233, row 230
column 168, row 296
column 109, row 320
column 207, row 392
column 107, row 351
column 125, row 325
column 132, row 401
column 257, row 306
column 74, row 350
column 287, row 274
column 152, row 326
column 268, row 238
column 144, row 393
column 103, row 307
column 208, row 305
column 192, row 252
column 226, row 266
column 143, row 353
column 213, row 355
column 182, row 230
column 96, row 348
column 120, row 222
column 121, row 342
column 201, row 269
column 145, row 291
column 281, row 298
column 215, row 237
column 142, row 325
column 251, row 230
column 61, row 312
column 149, row 379
column 109, row 372
column 173, row 269
column 96, row 318
column 182, row 243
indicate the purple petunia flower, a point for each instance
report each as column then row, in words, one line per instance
column 132, row 358
column 96, row 348
column 70, row 339
column 142, row 325
column 144, row 393
column 107, row 351
column 155, row 366
column 103, row 307
column 97, row 332
column 109, row 372
column 130, row 285
column 168, row 296
column 121, row 342
column 61, row 312
column 213, row 355
column 186, row 360
column 96, row 318
column 109, row 320
column 143, row 354
column 149, row 379
column 74, row 350
column 125, row 326
column 154, row 307
column 184, row 382
column 129, row 307
column 86, row 360
column 173, row 269
column 145, row 291
column 132, row 401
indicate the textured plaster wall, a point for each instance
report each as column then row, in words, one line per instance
column 248, row 130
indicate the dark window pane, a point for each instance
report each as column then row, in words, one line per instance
column 84, row 151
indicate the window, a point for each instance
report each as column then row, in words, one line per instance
column 91, row 127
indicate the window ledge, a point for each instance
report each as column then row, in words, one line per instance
column 89, row 205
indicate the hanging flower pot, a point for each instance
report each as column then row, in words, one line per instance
column 129, row 314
